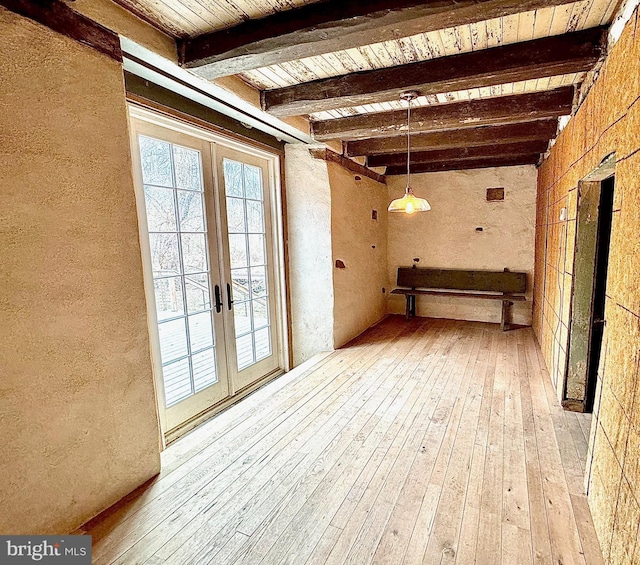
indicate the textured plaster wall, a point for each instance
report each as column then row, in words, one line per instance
column 78, row 422
column 361, row 244
column 446, row 237
column 607, row 121
column 123, row 22
column 308, row 200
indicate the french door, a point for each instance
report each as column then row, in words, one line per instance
column 207, row 233
column 248, row 259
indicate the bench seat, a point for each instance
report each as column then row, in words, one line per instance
column 461, row 293
column 505, row 286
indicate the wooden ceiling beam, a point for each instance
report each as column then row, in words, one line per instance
column 549, row 56
column 333, row 157
column 459, row 154
column 441, row 117
column 333, row 25
column 59, row 17
column 505, row 161
column 541, row 130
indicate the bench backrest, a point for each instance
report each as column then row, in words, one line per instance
column 496, row 281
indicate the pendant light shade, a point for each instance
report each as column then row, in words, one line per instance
column 409, row 203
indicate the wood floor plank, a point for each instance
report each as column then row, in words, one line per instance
column 490, row 524
column 540, row 543
column 467, row 546
column 563, row 534
column 421, row 442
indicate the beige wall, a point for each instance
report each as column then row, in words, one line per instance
column 361, row 244
column 78, row 423
column 308, row 198
column 446, row 237
column 607, row 121
column 329, row 219
column 123, row 22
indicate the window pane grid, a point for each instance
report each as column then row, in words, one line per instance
column 178, row 169
column 248, row 253
column 178, row 317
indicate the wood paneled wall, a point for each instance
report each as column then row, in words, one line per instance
column 608, row 121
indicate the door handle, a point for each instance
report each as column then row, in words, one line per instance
column 218, row 300
column 229, row 301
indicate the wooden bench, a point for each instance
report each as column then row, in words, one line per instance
column 505, row 285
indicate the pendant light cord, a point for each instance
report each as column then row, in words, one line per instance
column 408, row 145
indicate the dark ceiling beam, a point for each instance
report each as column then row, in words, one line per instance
column 557, row 55
column 542, row 130
column 333, row 25
column 441, row 117
column 59, row 17
column 505, row 161
column 459, row 154
column 333, row 157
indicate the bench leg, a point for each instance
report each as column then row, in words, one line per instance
column 411, row 306
column 505, row 313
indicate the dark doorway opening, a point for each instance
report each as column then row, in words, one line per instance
column 591, row 261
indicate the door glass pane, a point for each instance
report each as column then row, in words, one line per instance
column 233, row 178
column 256, row 249
column 190, row 211
column 238, row 250
column 198, row 291
column 240, row 281
column 187, row 165
column 263, row 344
column 260, row 312
column 204, row 369
column 235, row 215
column 169, row 297
column 242, row 317
column 165, row 257
column 161, row 210
column 253, row 182
column 247, row 248
column 255, row 218
column 180, row 257
column 155, row 158
column 177, row 381
column 200, row 331
column 258, row 282
column 244, row 346
column 194, row 252
column 173, row 340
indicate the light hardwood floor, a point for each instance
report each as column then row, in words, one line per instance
column 429, row 441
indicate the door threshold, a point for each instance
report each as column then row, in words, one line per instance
column 202, row 417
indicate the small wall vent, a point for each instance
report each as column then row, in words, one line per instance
column 495, row 194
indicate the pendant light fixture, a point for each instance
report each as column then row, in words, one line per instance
column 409, row 203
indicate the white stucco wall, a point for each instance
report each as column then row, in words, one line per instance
column 308, row 199
column 446, row 236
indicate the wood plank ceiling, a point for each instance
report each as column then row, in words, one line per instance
column 493, row 76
